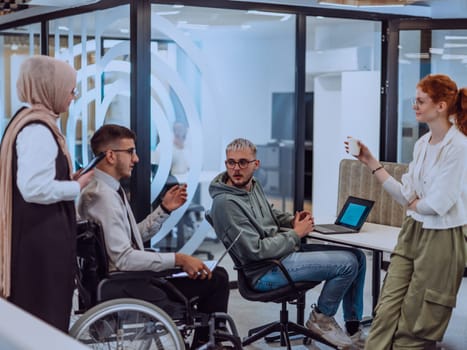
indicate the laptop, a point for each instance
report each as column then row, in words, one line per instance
column 211, row 264
column 351, row 217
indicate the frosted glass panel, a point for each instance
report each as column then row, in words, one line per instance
column 97, row 45
column 423, row 52
column 343, row 71
column 214, row 73
column 16, row 44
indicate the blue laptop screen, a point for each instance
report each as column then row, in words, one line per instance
column 353, row 214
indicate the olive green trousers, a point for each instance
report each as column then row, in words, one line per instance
column 420, row 288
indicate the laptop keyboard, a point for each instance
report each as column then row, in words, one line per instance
column 332, row 228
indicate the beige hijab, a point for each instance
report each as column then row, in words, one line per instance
column 45, row 84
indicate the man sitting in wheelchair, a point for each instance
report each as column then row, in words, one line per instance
column 104, row 202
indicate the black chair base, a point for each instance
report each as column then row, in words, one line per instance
column 276, row 336
column 286, row 331
column 285, row 328
column 272, row 338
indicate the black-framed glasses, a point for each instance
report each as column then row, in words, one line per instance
column 242, row 163
column 131, row 151
column 75, row 92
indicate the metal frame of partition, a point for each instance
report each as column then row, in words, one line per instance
column 389, row 118
column 140, row 31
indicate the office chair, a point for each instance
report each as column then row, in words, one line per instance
column 293, row 293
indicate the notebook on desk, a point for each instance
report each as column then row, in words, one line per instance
column 351, row 217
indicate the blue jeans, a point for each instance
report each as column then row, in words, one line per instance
column 342, row 269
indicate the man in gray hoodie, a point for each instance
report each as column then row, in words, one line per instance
column 240, row 205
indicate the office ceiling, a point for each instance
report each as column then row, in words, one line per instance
column 426, row 8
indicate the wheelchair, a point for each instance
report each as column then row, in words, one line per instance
column 109, row 319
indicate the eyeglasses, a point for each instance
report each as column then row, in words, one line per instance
column 75, row 92
column 417, row 102
column 131, row 151
column 242, row 163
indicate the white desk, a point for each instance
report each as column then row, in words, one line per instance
column 374, row 237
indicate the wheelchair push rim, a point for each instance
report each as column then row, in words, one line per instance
column 127, row 324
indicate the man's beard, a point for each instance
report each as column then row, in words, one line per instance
column 242, row 184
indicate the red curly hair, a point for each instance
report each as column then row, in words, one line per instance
column 442, row 88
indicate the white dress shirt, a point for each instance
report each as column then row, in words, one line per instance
column 441, row 187
column 37, row 150
column 101, row 203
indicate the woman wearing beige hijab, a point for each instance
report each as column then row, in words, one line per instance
column 37, row 212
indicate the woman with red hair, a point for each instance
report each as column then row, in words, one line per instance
column 428, row 262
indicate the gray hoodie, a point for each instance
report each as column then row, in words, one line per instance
column 236, row 210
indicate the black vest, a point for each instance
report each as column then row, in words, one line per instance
column 43, row 252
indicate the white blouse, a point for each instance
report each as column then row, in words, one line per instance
column 37, row 150
column 438, row 177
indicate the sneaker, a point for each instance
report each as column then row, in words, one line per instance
column 327, row 327
column 358, row 340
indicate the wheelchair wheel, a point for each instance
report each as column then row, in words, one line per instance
column 127, row 324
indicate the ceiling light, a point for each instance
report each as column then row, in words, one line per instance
column 284, row 16
column 453, row 57
column 367, row 3
column 417, row 55
column 167, row 13
column 454, row 45
column 436, row 51
column 455, row 37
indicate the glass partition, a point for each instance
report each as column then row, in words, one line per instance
column 423, row 52
column 343, row 74
column 15, row 44
column 217, row 75
column 97, row 45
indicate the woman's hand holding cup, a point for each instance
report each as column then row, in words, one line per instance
column 353, row 146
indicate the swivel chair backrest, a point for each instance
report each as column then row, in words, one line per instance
column 356, row 180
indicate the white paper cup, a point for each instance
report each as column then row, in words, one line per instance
column 354, row 147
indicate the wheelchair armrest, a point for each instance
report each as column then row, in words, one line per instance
column 131, row 275
column 268, row 262
column 159, row 278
